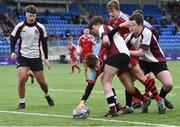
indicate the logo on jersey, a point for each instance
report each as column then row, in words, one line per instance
column 36, row 32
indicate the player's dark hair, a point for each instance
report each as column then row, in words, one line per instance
column 95, row 20
column 85, row 28
column 113, row 4
column 137, row 17
column 31, row 9
column 138, row 11
column 91, row 61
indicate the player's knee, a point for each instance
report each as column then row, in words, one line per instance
column 103, row 80
column 131, row 90
column 168, row 86
column 40, row 81
column 23, row 79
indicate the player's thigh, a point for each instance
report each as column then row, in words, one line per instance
column 126, row 80
column 39, row 75
column 108, row 73
column 22, row 73
column 138, row 73
column 22, row 67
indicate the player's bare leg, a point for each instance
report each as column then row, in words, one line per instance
column 73, row 66
column 129, row 86
column 22, row 74
column 39, row 75
column 149, row 84
column 166, row 79
column 106, row 80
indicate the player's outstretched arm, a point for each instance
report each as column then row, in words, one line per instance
column 85, row 96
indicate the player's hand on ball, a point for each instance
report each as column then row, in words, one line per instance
column 80, row 106
column 82, row 113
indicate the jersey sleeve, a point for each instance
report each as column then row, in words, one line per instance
column 79, row 41
column 101, row 32
column 127, row 38
column 15, row 30
column 125, row 17
column 93, row 40
column 147, row 25
column 146, row 40
column 104, row 30
column 44, row 31
column 92, row 76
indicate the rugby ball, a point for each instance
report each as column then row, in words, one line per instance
column 83, row 113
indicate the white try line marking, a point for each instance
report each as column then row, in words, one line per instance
column 93, row 119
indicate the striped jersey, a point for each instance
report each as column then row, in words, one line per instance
column 124, row 18
column 30, row 36
column 147, row 41
column 117, row 43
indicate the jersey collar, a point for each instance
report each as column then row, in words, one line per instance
column 30, row 25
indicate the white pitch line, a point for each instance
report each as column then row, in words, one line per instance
column 77, row 91
column 93, row 119
column 96, row 91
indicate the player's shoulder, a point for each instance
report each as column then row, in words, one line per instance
column 91, row 36
column 20, row 24
column 146, row 32
column 128, row 36
column 105, row 28
column 108, row 22
column 123, row 16
column 81, row 37
column 40, row 25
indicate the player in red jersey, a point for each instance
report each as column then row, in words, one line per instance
column 86, row 43
column 72, row 53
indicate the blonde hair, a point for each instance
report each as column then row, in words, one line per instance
column 113, row 4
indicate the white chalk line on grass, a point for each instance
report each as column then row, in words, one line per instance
column 96, row 91
column 93, row 119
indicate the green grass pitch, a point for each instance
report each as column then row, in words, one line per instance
column 67, row 89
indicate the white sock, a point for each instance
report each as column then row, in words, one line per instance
column 22, row 100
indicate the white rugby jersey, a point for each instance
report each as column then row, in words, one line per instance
column 118, row 44
column 147, row 41
column 29, row 36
